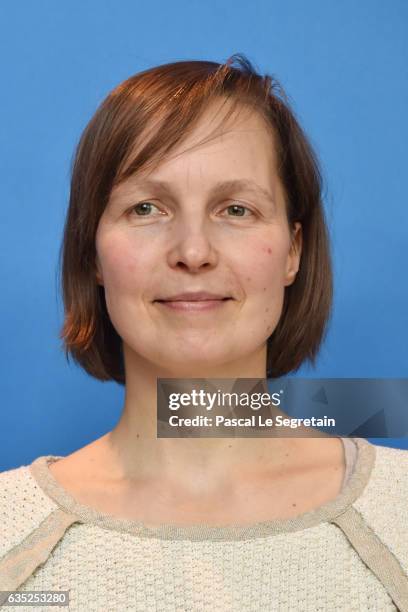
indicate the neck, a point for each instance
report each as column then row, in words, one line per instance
column 192, row 464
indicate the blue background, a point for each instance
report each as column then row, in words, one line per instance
column 344, row 66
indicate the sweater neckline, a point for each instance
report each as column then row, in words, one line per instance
column 352, row 489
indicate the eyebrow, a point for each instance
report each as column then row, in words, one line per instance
column 219, row 188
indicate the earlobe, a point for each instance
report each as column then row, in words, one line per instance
column 98, row 274
column 294, row 254
column 290, row 277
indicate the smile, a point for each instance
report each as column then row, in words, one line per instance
column 194, row 305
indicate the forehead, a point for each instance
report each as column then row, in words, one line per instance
column 221, row 122
column 226, row 142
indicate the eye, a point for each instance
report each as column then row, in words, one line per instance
column 238, row 210
column 142, row 209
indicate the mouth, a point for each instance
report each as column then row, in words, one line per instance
column 194, row 305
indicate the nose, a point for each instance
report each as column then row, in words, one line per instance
column 192, row 246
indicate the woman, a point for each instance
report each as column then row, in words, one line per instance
column 195, row 246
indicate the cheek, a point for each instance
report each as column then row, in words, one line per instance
column 264, row 284
column 265, row 267
column 124, row 268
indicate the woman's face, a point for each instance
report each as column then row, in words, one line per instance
column 202, row 221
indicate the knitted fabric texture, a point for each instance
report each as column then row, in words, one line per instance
column 349, row 555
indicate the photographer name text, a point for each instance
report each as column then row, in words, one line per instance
column 255, row 420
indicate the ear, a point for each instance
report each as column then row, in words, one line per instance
column 98, row 272
column 293, row 259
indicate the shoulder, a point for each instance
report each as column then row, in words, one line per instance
column 23, row 506
column 389, row 475
column 384, row 502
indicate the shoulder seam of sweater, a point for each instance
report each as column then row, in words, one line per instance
column 22, row 560
column 376, row 555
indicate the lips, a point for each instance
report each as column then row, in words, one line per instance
column 194, row 296
column 193, row 306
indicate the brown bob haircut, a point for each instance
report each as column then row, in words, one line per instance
column 170, row 99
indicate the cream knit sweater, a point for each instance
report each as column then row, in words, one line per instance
column 350, row 554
